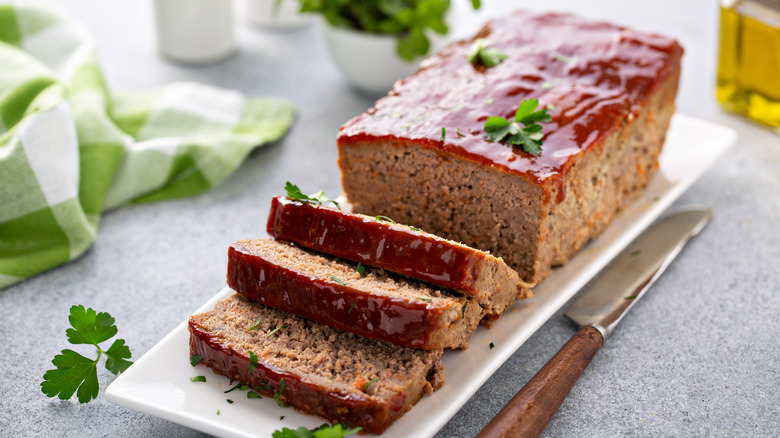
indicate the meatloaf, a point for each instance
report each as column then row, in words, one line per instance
column 421, row 154
column 337, row 375
column 382, row 243
column 331, row 291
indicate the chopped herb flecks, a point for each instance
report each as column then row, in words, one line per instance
column 365, row 387
column 338, row 281
column 278, row 393
column 492, row 345
column 229, row 401
column 427, row 300
column 443, row 133
column 635, row 253
column 194, row 360
column 252, row 394
column 252, row 361
column 254, row 327
column 381, row 218
column 198, row 379
column 481, row 54
column 238, row 385
column 360, row 269
column 463, row 312
column 275, row 330
column 351, row 308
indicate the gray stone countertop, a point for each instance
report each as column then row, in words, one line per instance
column 698, row 356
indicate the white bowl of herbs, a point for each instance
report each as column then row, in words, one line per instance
column 375, row 42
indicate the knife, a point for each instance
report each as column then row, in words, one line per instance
column 597, row 310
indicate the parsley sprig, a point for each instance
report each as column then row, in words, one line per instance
column 481, row 54
column 293, row 192
column 408, row 20
column 325, row 431
column 76, row 373
column 529, row 136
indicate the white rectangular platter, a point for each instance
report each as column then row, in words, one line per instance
column 159, row 382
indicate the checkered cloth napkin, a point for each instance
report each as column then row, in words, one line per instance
column 69, row 149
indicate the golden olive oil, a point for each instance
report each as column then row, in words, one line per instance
column 749, row 62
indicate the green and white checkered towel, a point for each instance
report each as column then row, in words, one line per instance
column 70, row 150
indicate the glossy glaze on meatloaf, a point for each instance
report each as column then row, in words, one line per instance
column 611, row 91
column 337, row 375
column 374, row 304
column 403, row 249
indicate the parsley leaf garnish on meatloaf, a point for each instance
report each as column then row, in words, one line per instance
column 529, row 136
column 293, row 192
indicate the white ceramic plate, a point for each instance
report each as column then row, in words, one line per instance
column 159, row 382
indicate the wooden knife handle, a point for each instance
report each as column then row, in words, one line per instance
column 529, row 411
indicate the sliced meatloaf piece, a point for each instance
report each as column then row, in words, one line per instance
column 378, row 242
column 337, row 375
column 375, row 304
column 421, row 155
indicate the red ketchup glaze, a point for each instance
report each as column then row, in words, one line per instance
column 375, row 243
column 407, row 323
column 594, row 74
column 373, row 415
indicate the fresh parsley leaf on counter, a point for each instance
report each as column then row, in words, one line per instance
column 76, row 373
column 481, row 54
column 293, row 192
column 529, row 136
column 325, row 431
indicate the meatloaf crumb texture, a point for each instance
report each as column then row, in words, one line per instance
column 325, row 371
column 611, row 92
column 376, row 304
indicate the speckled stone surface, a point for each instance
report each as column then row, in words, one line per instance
column 698, row 356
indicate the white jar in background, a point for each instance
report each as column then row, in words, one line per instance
column 195, row 31
column 276, row 14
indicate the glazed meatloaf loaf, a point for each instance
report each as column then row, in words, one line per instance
column 337, row 375
column 374, row 303
column 382, row 243
column 421, row 154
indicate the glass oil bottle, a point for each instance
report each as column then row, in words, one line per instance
column 748, row 79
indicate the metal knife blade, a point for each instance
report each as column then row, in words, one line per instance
column 610, row 296
column 598, row 310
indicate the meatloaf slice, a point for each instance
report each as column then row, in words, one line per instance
column 375, row 304
column 406, row 250
column 421, row 154
column 337, row 375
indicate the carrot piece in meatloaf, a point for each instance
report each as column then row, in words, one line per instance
column 337, row 375
column 421, row 154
